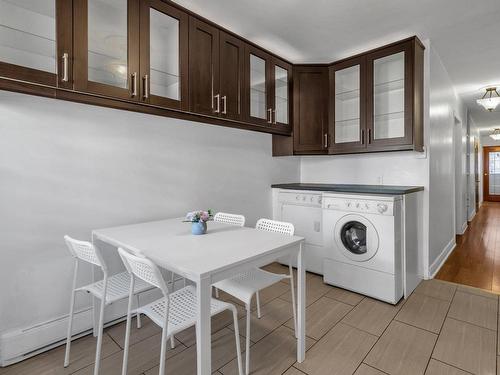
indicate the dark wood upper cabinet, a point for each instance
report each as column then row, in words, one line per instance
column 281, row 84
column 232, row 52
column 204, row 96
column 163, row 55
column 36, row 42
column 310, row 109
column 257, row 97
column 106, row 48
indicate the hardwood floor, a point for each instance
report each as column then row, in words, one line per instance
column 476, row 259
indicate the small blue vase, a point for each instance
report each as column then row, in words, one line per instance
column 198, row 227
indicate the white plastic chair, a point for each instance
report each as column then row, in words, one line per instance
column 175, row 312
column 108, row 290
column 245, row 285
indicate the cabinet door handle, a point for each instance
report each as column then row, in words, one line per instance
column 362, row 136
column 326, row 140
column 145, row 79
column 270, row 120
column 217, row 97
column 369, row 136
column 133, row 84
column 274, row 115
column 224, row 104
column 65, row 57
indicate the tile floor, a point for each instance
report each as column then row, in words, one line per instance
column 443, row 328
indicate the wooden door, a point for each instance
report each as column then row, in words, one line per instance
column 164, row 55
column 476, row 173
column 257, row 93
column 36, row 42
column 204, row 95
column 491, row 172
column 106, row 48
column 232, row 52
column 348, row 106
column 280, row 89
column 389, row 110
column 310, row 109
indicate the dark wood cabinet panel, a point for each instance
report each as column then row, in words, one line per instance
column 64, row 41
column 232, row 52
column 281, row 92
column 310, row 111
column 203, row 68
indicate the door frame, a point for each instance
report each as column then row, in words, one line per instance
column 486, row 180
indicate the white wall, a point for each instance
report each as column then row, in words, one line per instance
column 66, row 168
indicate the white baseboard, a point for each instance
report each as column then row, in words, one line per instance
column 472, row 215
column 445, row 253
column 463, row 229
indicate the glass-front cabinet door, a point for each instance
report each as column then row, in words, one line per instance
column 35, row 45
column 389, row 97
column 281, row 74
column 258, row 77
column 106, row 47
column 163, row 55
column 347, row 107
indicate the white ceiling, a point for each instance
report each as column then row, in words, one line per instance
column 464, row 32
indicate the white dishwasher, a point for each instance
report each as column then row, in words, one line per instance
column 303, row 210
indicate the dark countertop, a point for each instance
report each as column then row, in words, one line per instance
column 341, row 188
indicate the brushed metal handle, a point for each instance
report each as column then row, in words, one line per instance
column 274, row 114
column 145, row 94
column 270, row 111
column 217, row 110
column 65, row 58
column 326, row 140
column 224, row 104
column 134, row 84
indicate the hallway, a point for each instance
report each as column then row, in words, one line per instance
column 476, row 259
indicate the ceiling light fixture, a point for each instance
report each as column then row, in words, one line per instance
column 490, row 99
column 496, row 134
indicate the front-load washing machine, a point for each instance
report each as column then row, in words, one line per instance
column 363, row 244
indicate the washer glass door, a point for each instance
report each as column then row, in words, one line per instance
column 356, row 237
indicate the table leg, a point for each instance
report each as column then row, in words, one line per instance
column 301, row 306
column 203, row 332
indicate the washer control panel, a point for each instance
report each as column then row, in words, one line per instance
column 359, row 205
column 301, row 198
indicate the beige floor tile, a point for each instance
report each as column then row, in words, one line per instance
column 345, row 296
column 272, row 355
column 293, row 371
column 274, row 314
column 364, row 369
column 271, row 293
column 322, row 315
column 402, row 349
column 474, row 309
column 148, row 329
column 372, row 316
column 52, row 362
column 478, row 291
column 498, row 337
column 315, row 289
column 282, row 269
column 342, row 349
column 142, row 356
column 467, row 347
column 440, row 368
column 424, row 312
column 437, row 289
column 223, row 351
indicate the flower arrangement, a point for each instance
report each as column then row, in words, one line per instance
column 197, row 216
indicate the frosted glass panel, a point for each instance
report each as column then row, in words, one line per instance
column 257, row 87
column 389, row 89
column 107, row 42
column 494, row 171
column 164, row 55
column 27, row 34
column 281, row 94
column 347, row 102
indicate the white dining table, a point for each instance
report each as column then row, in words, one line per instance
column 222, row 252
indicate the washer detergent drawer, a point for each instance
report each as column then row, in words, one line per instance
column 379, row 285
column 308, row 222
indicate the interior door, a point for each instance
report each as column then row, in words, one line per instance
column 491, row 172
column 232, row 52
column 258, row 107
column 35, row 41
column 106, row 47
column 164, row 55
column 389, row 96
column 281, row 76
column 348, row 105
column 204, row 95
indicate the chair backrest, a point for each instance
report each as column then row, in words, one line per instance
column 275, row 226
column 85, row 251
column 231, row 219
column 141, row 267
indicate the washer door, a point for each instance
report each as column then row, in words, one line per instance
column 356, row 237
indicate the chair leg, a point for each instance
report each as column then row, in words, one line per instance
column 258, row 304
column 70, row 328
column 216, row 293
column 294, row 305
column 163, row 349
column 172, row 342
column 127, row 328
column 237, row 337
column 247, row 342
column 99, row 338
column 139, row 323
